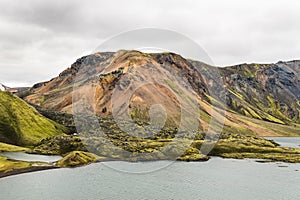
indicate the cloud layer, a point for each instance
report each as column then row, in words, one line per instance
column 39, row 39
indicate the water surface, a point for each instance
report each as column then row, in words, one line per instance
column 30, row 157
column 217, row 179
column 293, row 142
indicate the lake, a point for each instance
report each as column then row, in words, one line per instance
column 30, row 157
column 287, row 141
column 225, row 179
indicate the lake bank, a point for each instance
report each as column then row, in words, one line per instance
column 32, row 162
column 226, row 179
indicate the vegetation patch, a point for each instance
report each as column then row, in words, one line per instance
column 11, row 167
column 255, row 148
column 77, row 158
column 21, row 124
column 7, row 165
column 10, row 148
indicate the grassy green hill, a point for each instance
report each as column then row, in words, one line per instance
column 21, row 124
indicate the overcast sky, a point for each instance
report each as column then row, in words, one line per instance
column 39, row 39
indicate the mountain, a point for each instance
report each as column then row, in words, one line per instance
column 21, row 124
column 21, row 90
column 261, row 99
column 270, row 92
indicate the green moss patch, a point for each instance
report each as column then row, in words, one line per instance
column 10, row 148
column 21, row 124
column 77, row 158
column 10, row 165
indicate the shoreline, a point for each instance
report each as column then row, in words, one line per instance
column 223, row 150
column 27, row 170
column 53, row 167
column 42, row 168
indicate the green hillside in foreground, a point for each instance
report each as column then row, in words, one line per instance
column 21, row 124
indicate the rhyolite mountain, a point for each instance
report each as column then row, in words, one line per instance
column 21, row 124
column 257, row 100
column 260, row 99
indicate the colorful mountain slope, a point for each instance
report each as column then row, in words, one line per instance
column 255, row 94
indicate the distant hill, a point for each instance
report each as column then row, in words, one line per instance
column 13, row 90
column 261, row 99
column 265, row 91
column 2, row 87
column 21, row 124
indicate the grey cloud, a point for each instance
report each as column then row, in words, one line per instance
column 38, row 39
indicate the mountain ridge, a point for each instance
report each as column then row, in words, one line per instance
column 267, row 92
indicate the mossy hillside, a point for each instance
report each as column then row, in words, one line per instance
column 21, row 124
column 253, row 108
column 263, row 91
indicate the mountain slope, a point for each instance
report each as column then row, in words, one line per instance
column 268, row 92
column 255, row 94
column 21, row 124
